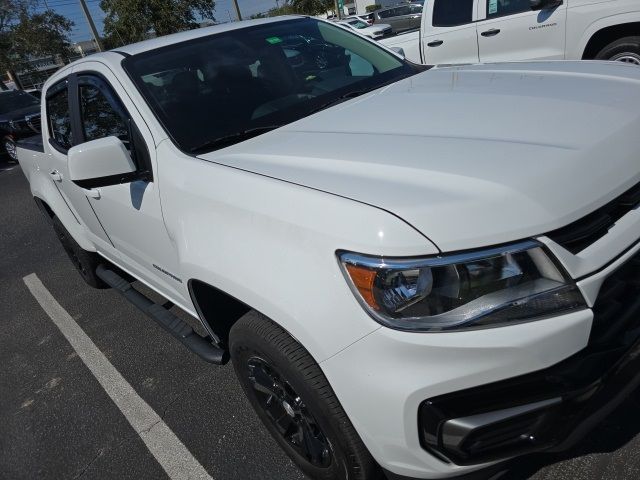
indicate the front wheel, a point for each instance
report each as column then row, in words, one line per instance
column 295, row 402
column 626, row 50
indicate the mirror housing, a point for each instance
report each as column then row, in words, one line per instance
column 545, row 4
column 398, row 50
column 99, row 163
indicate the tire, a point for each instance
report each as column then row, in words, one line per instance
column 9, row 146
column 85, row 262
column 269, row 363
column 625, row 50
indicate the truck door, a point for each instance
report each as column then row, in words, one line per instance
column 129, row 212
column 59, row 137
column 449, row 32
column 509, row 30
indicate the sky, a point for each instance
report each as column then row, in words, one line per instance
column 72, row 10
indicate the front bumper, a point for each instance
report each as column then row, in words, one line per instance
column 552, row 408
column 441, row 405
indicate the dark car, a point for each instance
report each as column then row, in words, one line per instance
column 19, row 118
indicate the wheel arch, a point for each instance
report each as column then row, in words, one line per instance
column 44, row 208
column 608, row 34
column 51, row 203
column 218, row 311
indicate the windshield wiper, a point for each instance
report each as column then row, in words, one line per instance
column 340, row 99
column 232, row 138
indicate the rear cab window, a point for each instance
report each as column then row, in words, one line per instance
column 452, row 13
column 59, row 116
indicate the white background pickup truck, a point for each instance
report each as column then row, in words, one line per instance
column 415, row 271
column 471, row 31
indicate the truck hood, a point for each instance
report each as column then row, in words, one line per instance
column 472, row 155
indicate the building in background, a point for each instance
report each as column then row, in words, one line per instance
column 358, row 7
column 33, row 73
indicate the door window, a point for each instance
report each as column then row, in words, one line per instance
column 451, row 13
column 404, row 10
column 101, row 115
column 58, row 116
column 501, row 8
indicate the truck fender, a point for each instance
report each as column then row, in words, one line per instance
column 582, row 47
column 278, row 259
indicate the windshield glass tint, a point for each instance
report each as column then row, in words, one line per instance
column 265, row 76
column 15, row 100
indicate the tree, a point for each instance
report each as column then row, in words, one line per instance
column 26, row 34
column 285, row 9
column 312, row 7
column 129, row 21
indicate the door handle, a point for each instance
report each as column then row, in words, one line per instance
column 93, row 193
column 56, row 175
column 491, row 33
column 435, row 43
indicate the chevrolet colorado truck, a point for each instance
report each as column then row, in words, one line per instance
column 471, row 31
column 418, row 298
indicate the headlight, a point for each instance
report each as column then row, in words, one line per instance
column 509, row 284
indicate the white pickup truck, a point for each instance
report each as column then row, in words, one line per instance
column 472, row 31
column 415, row 271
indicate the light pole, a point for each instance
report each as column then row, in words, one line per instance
column 92, row 25
column 235, row 4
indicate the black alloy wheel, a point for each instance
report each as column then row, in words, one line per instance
column 288, row 413
column 295, row 402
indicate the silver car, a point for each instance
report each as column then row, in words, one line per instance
column 376, row 31
column 400, row 17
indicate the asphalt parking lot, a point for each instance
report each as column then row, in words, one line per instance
column 57, row 421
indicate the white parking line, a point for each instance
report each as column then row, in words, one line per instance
column 163, row 444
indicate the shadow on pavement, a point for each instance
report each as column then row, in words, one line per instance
column 6, row 163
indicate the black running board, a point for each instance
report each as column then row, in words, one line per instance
column 183, row 332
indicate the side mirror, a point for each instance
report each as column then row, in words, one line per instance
column 398, row 50
column 545, row 4
column 100, row 163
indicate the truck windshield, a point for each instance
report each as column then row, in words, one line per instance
column 15, row 100
column 221, row 89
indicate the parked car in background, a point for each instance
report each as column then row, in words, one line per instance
column 401, row 17
column 19, row 118
column 468, row 31
column 376, row 31
column 367, row 18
